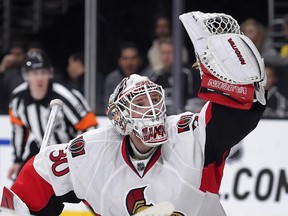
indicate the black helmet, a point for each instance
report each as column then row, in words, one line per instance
column 36, row 60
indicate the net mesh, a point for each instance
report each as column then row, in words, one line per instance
column 222, row 24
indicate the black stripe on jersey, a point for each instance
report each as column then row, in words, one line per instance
column 59, row 91
column 75, row 113
column 18, row 158
column 57, row 139
column 18, row 104
column 26, row 116
column 78, row 98
column 69, row 129
column 65, row 98
column 226, row 128
column 18, row 96
column 39, row 120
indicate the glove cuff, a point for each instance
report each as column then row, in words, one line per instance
column 230, row 95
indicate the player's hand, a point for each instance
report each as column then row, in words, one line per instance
column 13, row 171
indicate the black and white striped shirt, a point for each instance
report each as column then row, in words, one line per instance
column 29, row 118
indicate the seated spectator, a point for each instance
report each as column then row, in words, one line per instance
column 10, row 73
column 74, row 77
column 190, row 79
column 276, row 103
column 14, row 57
column 75, row 71
column 257, row 33
column 162, row 30
column 284, row 48
column 129, row 62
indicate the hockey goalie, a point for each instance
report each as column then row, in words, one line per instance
column 147, row 163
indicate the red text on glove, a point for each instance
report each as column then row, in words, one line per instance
column 227, row 87
column 237, row 51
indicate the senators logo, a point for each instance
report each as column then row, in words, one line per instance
column 184, row 123
column 77, row 147
column 136, row 202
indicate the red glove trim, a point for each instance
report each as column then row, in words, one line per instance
column 231, row 95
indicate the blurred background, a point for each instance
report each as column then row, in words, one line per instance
column 59, row 26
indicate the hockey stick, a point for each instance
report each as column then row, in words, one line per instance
column 55, row 106
column 160, row 209
column 9, row 199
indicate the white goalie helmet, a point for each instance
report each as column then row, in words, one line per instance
column 137, row 106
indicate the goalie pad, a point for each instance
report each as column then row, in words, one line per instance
column 11, row 201
column 222, row 51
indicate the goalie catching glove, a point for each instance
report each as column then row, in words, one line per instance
column 231, row 67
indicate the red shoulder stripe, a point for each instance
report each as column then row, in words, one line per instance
column 212, row 176
column 32, row 188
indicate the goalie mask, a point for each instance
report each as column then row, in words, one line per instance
column 137, row 106
column 224, row 53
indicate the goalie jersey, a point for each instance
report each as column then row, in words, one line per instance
column 98, row 167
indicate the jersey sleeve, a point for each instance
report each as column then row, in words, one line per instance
column 20, row 132
column 25, row 145
column 19, row 136
column 76, row 109
column 45, row 183
column 221, row 128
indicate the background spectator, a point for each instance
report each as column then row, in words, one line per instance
column 14, row 57
column 129, row 62
column 162, row 30
column 191, row 80
column 276, row 103
column 257, row 33
column 75, row 71
column 284, row 48
column 10, row 73
column 74, row 77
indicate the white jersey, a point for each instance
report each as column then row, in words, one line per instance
column 187, row 170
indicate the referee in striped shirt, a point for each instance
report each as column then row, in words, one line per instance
column 29, row 110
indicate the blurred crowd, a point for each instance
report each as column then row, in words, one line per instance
column 157, row 64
